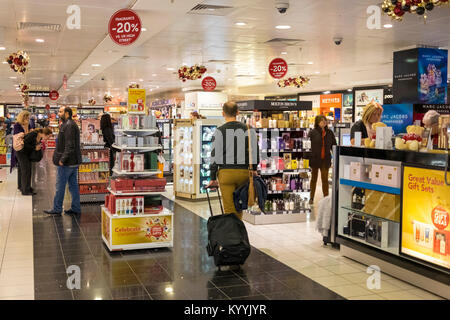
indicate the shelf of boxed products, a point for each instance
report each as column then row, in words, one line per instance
column 133, row 193
column 162, row 212
column 370, row 186
column 368, row 214
column 143, row 148
column 141, row 173
column 270, row 172
column 138, row 132
column 284, row 150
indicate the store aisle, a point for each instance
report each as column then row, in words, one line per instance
column 16, row 241
column 183, row 272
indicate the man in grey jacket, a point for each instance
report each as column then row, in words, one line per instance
column 67, row 158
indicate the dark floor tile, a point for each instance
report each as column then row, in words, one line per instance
column 63, row 295
column 176, row 295
column 128, row 291
column 240, row 291
column 50, row 277
column 255, row 298
column 288, row 275
column 50, row 287
column 162, row 287
column 49, row 268
column 227, row 281
column 93, row 294
column 206, row 294
column 270, row 286
column 78, row 259
column 319, row 295
column 123, row 281
column 146, row 297
column 285, row 295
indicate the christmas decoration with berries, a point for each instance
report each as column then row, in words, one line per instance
column 191, row 73
column 107, row 98
column 298, row 82
column 397, row 8
column 18, row 61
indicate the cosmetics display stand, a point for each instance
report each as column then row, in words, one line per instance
column 133, row 216
column 282, row 129
column 93, row 173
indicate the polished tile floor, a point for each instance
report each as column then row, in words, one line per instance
column 182, row 272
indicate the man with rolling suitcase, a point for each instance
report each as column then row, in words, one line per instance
column 232, row 166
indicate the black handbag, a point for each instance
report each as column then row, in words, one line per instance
column 36, row 155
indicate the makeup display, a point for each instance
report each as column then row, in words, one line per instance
column 133, row 216
column 192, row 156
column 93, row 173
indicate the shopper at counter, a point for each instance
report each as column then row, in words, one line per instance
column 67, row 158
column 372, row 114
column 322, row 141
column 229, row 159
column 108, row 138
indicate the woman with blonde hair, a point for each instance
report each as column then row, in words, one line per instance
column 372, row 114
column 21, row 128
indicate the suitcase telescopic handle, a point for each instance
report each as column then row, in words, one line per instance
column 209, row 200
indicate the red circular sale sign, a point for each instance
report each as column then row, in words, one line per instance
column 124, row 27
column 47, row 107
column 157, row 231
column 53, row 95
column 278, row 68
column 209, row 84
column 440, row 217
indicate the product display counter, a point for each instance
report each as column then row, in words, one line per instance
column 392, row 210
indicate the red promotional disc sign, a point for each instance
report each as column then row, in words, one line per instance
column 440, row 217
column 209, row 84
column 53, row 95
column 47, row 107
column 278, row 68
column 124, row 27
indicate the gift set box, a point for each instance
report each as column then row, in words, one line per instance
column 385, row 175
column 125, row 205
column 141, row 184
column 383, row 205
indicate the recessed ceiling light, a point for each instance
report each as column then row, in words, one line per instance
column 85, row 74
column 143, row 29
column 240, row 24
column 388, row 26
column 40, row 40
column 229, row 79
column 349, row 90
column 170, row 69
column 154, row 75
column 310, row 62
column 326, row 92
column 96, row 65
column 13, row 77
column 284, row 52
column 141, row 80
column 77, row 81
column 2, row 48
column 4, row 62
column 283, row 27
column 317, row 72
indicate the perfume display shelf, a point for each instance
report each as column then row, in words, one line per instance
column 133, row 216
column 93, row 173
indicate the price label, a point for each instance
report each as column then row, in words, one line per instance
column 209, row 83
column 124, row 27
column 440, row 217
column 53, row 95
column 278, row 68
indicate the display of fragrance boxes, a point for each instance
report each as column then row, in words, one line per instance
column 130, row 141
column 123, row 205
column 138, row 185
column 94, row 156
column 137, row 122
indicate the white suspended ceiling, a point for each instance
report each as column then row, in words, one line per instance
column 237, row 56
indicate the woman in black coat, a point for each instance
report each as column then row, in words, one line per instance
column 108, row 138
column 31, row 143
column 322, row 141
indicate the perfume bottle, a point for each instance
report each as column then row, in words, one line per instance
column 132, row 164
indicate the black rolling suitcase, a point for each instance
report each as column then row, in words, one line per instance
column 227, row 238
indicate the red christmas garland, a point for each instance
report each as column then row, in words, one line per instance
column 397, row 8
column 191, row 73
column 293, row 82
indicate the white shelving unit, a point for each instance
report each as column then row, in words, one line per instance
column 143, row 231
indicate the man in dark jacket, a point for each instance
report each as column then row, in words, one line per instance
column 230, row 160
column 67, row 158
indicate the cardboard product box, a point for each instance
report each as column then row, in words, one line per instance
column 383, row 205
column 288, row 161
column 384, row 138
column 391, row 176
column 140, row 141
column 356, row 171
column 377, row 232
column 377, row 174
column 264, row 123
column 441, row 242
column 131, row 142
column 347, row 171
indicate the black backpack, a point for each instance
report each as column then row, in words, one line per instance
column 227, row 238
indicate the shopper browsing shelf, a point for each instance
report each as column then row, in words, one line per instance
column 31, row 152
column 67, row 158
column 20, row 129
column 322, row 141
column 371, row 114
column 108, row 138
column 230, row 157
